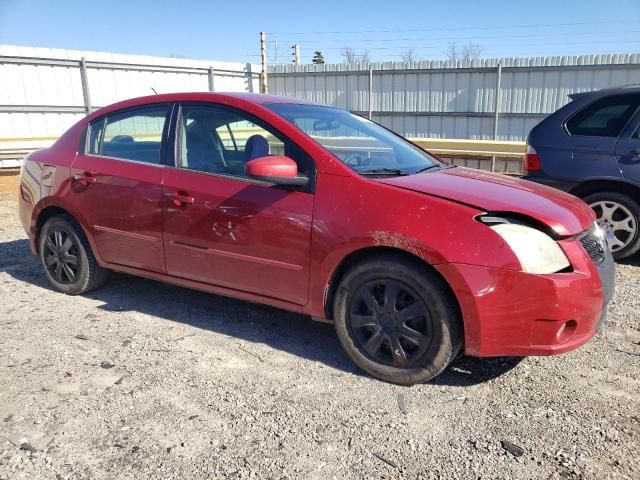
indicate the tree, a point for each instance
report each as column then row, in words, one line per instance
column 408, row 55
column 350, row 56
column 471, row 51
column 452, row 51
column 318, row 59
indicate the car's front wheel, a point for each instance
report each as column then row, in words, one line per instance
column 618, row 215
column 66, row 256
column 397, row 320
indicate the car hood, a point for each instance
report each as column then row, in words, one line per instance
column 564, row 213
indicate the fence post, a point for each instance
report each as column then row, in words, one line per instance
column 211, row 84
column 370, row 92
column 249, row 71
column 84, row 79
column 496, row 110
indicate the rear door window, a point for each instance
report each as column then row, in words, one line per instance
column 130, row 135
column 605, row 117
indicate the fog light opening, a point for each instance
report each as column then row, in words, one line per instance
column 566, row 331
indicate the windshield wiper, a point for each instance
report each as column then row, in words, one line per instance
column 429, row 168
column 382, row 171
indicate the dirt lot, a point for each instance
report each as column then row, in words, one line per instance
column 9, row 180
column 145, row 380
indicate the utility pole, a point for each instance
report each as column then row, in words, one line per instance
column 263, row 53
column 296, row 54
column 264, row 87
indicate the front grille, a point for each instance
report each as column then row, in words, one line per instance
column 594, row 244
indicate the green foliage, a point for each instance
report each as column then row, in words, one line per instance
column 317, row 57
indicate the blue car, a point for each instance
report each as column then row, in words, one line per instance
column 591, row 149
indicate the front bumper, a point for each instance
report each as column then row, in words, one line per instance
column 513, row 313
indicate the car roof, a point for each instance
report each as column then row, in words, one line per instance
column 239, row 99
column 261, row 98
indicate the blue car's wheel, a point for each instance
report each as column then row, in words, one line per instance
column 618, row 215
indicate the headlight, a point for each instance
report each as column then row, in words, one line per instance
column 536, row 251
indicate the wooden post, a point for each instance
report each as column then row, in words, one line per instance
column 296, row 54
column 264, row 87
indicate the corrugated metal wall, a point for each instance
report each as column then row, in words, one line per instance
column 455, row 99
column 41, row 91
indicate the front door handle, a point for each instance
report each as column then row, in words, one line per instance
column 180, row 200
column 84, row 179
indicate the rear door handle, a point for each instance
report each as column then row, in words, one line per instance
column 179, row 200
column 84, row 179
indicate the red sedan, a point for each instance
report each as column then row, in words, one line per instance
column 316, row 210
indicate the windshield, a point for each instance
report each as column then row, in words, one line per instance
column 361, row 144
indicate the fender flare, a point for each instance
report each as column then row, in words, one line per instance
column 48, row 202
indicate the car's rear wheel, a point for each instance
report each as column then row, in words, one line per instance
column 397, row 319
column 66, row 255
column 619, row 216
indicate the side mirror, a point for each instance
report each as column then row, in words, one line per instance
column 276, row 169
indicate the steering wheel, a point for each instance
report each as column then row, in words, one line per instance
column 353, row 160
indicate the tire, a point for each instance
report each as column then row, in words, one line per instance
column 619, row 217
column 66, row 257
column 423, row 303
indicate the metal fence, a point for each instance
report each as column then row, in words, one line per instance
column 44, row 91
column 489, row 99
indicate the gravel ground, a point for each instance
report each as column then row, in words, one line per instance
column 145, row 380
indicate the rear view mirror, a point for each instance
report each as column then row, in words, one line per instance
column 276, row 169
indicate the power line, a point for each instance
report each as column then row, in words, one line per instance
column 433, row 39
column 431, row 29
column 523, row 53
column 496, row 53
column 428, row 49
column 418, row 47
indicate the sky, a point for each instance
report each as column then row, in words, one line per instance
column 386, row 30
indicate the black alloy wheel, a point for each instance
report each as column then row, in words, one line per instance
column 390, row 323
column 67, row 258
column 397, row 319
column 61, row 256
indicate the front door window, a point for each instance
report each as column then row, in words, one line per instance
column 221, row 141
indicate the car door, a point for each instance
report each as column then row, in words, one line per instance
column 594, row 132
column 117, row 186
column 628, row 150
column 223, row 228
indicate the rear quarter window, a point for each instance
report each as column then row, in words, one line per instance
column 605, row 117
